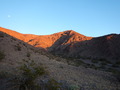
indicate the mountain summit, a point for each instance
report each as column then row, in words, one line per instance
column 65, row 37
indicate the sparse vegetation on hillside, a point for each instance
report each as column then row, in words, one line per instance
column 74, row 87
column 1, row 35
column 29, row 72
column 18, row 47
column 28, row 54
column 13, row 38
column 52, row 84
column 2, row 55
column 4, row 74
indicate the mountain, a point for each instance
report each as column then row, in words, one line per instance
column 16, row 54
column 104, row 47
column 72, row 44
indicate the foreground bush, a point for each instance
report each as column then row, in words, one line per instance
column 29, row 72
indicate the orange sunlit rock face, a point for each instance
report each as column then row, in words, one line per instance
column 46, row 41
column 23, row 37
column 109, row 37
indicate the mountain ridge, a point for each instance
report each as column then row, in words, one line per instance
column 32, row 39
column 72, row 44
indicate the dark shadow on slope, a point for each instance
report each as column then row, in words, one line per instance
column 100, row 47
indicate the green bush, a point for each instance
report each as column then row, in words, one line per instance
column 52, row 84
column 29, row 72
column 74, row 87
column 29, row 69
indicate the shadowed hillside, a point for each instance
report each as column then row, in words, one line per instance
column 105, row 47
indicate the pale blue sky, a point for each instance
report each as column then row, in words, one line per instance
column 42, row 17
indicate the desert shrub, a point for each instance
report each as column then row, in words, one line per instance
column 24, row 44
column 102, row 67
column 117, row 75
column 61, row 67
column 115, row 65
column 4, row 74
column 88, row 57
column 28, row 54
column 93, row 66
column 114, row 71
column 94, row 61
column 29, row 72
column 29, row 69
column 18, row 47
column 2, row 55
column 79, row 62
column 13, row 38
column 74, row 87
column 87, row 65
column 104, row 60
column 52, row 84
column 103, row 63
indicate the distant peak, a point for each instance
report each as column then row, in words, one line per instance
column 70, row 32
column 111, row 34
